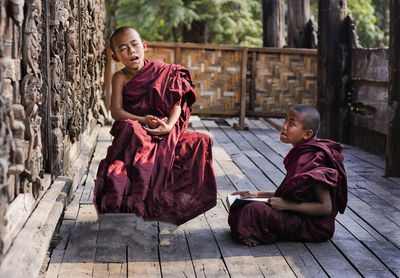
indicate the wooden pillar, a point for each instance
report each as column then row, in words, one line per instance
column 331, row 15
column 298, row 19
column 393, row 138
column 273, row 23
column 242, row 112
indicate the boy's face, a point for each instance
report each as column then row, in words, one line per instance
column 129, row 50
column 292, row 129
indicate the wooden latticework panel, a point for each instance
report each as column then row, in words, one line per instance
column 283, row 80
column 167, row 55
column 215, row 72
column 217, row 76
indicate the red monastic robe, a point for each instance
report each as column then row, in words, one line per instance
column 167, row 178
column 317, row 160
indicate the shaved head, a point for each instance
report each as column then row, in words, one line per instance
column 118, row 32
column 310, row 117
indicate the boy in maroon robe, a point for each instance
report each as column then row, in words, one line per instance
column 304, row 206
column 155, row 167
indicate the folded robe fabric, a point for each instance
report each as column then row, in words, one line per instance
column 166, row 178
column 314, row 161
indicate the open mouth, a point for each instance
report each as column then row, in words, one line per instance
column 134, row 59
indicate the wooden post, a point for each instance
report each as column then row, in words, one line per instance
column 273, row 23
column 242, row 113
column 393, row 138
column 252, row 98
column 331, row 14
column 298, row 18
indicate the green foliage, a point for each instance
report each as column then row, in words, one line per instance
column 371, row 18
column 228, row 21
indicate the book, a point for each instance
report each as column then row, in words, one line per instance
column 236, row 200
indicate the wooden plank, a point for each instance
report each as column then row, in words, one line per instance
column 375, row 218
column 143, row 249
column 110, row 270
column 238, row 257
column 204, row 251
column 300, row 260
column 37, row 232
column 359, row 256
column 175, row 256
column 385, row 208
column 271, row 261
column 55, row 263
column 80, row 253
column 331, row 260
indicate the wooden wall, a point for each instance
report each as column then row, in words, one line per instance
column 51, row 69
column 369, row 99
column 276, row 78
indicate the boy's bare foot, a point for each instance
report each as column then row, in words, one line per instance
column 248, row 241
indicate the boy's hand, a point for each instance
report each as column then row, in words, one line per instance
column 150, row 121
column 279, row 203
column 245, row 194
column 162, row 127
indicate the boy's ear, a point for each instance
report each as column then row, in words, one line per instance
column 308, row 134
column 115, row 58
column 144, row 43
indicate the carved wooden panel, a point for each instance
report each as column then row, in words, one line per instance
column 283, row 80
column 51, row 68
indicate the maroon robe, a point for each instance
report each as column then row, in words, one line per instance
column 167, row 178
column 314, row 161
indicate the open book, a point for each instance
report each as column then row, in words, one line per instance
column 235, row 200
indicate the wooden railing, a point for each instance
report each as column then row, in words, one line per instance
column 241, row 81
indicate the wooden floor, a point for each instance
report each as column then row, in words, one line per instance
column 366, row 242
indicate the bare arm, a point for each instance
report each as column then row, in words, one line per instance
column 322, row 207
column 254, row 194
column 117, row 111
column 165, row 127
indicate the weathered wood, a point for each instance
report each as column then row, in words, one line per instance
column 300, row 259
column 393, row 141
column 331, row 260
column 365, row 262
column 25, row 256
column 331, row 15
column 81, row 250
column 143, row 249
column 243, row 91
column 110, row 270
column 204, row 251
column 271, row 261
column 298, row 13
column 273, row 23
column 175, row 256
column 238, row 257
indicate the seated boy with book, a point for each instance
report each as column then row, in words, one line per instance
column 304, row 206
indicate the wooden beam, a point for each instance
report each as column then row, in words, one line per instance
column 273, row 23
column 331, row 15
column 393, row 138
column 298, row 17
column 242, row 114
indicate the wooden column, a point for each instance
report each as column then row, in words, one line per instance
column 331, row 15
column 273, row 23
column 298, row 18
column 393, row 138
column 242, row 113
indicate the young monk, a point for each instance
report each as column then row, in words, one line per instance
column 304, row 206
column 155, row 167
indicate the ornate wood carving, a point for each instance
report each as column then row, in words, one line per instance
column 51, row 67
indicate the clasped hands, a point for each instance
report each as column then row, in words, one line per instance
column 276, row 203
column 156, row 126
